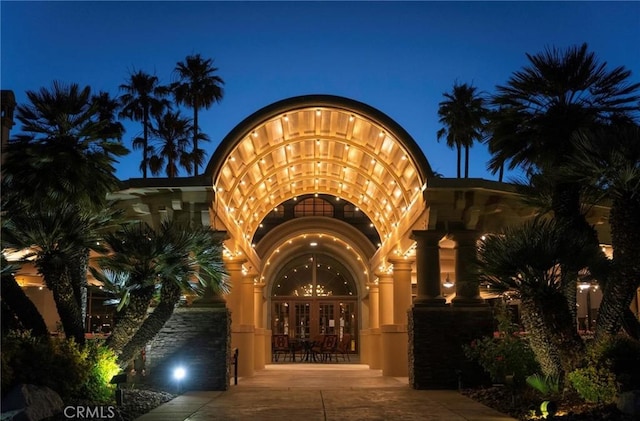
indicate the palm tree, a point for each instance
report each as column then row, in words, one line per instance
column 463, row 114
column 197, row 87
column 144, row 259
column 171, row 132
column 60, row 126
column 539, row 110
column 543, row 105
column 107, row 111
column 197, row 264
column 609, row 159
column 43, row 192
column 55, row 236
column 135, row 253
column 143, row 98
column 526, row 259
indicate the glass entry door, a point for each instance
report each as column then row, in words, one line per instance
column 305, row 319
column 314, row 294
column 302, row 317
column 327, row 318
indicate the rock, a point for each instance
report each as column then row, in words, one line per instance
column 629, row 403
column 32, row 403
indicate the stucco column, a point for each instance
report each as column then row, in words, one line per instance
column 401, row 289
column 242, row 335
column 467, row 286
column 247, row 310
column 373, row 352
column 374, row 306
column 263, row 335
column 428, row 268
column 385, row 298
column 258, row 302
column 234, row 298
column 393, row 335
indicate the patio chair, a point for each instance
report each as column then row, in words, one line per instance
column 326, row 348
column 344, row 347
column 281, row 346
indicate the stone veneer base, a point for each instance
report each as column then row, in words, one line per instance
column 199, row 339
column 436, row 337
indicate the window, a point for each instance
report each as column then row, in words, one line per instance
column 313, row 206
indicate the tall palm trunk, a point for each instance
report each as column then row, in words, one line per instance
column 620, row 288
column 78, row 272
column 59, row 282
column 631, row 324
column 129, row 318
column 565, row 203
column 169, row 297
column 547, row 354
column 145, row 146
column 466, row 161
column 196, row 105
column 27, row 313
column 459, row 153
column 558, row 321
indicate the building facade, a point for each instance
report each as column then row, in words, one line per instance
column 334, row 222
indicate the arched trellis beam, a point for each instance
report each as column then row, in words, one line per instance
column 322, row 128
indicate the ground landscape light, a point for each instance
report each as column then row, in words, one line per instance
column 179, row 373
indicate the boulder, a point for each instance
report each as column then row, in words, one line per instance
column 29, row 402
column 629, row 403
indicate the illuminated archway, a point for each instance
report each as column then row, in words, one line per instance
column 316, row 144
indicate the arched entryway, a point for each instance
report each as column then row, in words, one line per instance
column 314, row 294
column 321, row 170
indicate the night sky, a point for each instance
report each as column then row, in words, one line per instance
column 398, row 57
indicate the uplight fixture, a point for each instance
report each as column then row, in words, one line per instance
column 447, row 282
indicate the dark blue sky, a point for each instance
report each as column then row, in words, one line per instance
column 398, row 57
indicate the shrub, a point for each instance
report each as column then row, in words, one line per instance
column 611, row 366
column 71, row 370
column 57, row 363
column 104, row 366
column 594, row 384
column 508, row 354
column 500, row 357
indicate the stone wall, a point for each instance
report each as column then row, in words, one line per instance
column 197, row 338
column 436, row 337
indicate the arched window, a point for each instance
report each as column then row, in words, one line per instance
column 313, row 206
column 314, row 276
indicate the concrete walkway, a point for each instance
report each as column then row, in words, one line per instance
column 322, row 392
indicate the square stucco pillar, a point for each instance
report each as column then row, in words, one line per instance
column 436, row 338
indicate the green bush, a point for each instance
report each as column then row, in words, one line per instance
column 500, row 357
column 104, row 366
column 57, row 363
column 594, row 384
column 71, row 370
column 611, row 366
column 509, row 354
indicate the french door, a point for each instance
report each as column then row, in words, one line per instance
column 307, row 318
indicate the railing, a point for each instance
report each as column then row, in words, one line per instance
column 234, row 362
